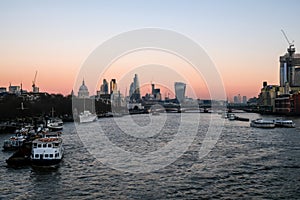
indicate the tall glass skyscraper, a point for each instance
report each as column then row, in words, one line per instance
column 104, row 87
column 134, row 91
column 113, row 86
column 180, row 91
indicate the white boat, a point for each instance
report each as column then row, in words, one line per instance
column 55, row 124
column 14, row 142
column 87, row 116
column 262, row 123
column 231, row 116
column 47, row 151
column 284, row 123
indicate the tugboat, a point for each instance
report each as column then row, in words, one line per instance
column 47, row 151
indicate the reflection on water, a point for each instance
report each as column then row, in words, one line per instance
column 245, row 163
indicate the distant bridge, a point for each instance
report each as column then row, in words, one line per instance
column 173, row 107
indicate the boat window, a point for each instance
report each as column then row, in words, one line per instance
column 39, row 145
column 51, row 155
column 55, row 144
column 34, row 145
column 36, row 155
column 56, row 155
column 49, row 145
column 44, row 145
column 46, row 155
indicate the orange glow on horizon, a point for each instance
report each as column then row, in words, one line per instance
column 58, row 76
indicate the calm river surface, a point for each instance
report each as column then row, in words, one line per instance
column 245, row 163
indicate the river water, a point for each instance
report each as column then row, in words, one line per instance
column 243, row 163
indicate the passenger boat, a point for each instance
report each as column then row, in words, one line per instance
column 87, row 116
column 14, row 142
column 26, row 133
column 261, row 123
column 47, row 151
column 284, row 123
column 55, row 124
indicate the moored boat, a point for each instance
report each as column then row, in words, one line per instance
column 55, row 124
column 262, row 123
column 284, row 123
column 241, row 119
column 14, row 142
column 87, row 116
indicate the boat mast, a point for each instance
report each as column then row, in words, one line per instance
column 83, row 103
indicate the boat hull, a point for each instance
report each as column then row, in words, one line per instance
column 55, row 128
column 285, row 123
column 285, row 126
column 87, row 119
column 45, row 162
column 242, row 119
column 252, row 124
column 18, row 161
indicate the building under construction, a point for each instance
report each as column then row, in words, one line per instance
column 290, row 67
column 283, row 98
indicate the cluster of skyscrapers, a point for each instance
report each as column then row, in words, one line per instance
column 110, row 91
column 106, row 88
column 239, row 99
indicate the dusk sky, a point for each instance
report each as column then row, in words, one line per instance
column 242, row 38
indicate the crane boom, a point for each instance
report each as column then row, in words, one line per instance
column 33, row 82
column 34, row 88
column 287, row 39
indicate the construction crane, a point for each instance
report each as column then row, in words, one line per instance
column 34, row 88
column 291, row 48
column 287, row 39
